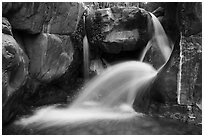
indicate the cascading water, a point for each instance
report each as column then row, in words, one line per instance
column 86, row 55
column 109, row 95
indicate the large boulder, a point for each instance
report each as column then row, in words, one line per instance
column 14, row 64
column 50, row 55
column 118, row 29
column 35, row 17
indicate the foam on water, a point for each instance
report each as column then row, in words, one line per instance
column 107, row 96
column 51, row 116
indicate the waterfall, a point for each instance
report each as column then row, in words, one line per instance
column 109, row 95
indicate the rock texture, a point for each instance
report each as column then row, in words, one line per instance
column 50, row 55
column 36, row 17
column 190, row 81
column 118, row 29
column 6, row 26
column 190, row 18
column 41, row 53
column 14, row 63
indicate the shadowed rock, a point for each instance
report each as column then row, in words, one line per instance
column 14, row 63
column 118, row 29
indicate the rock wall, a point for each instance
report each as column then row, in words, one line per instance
column 190, row 79
column 40, row 52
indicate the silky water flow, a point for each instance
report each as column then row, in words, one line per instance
column 109, row 95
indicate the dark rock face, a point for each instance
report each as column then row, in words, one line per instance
column 191, row 70
column 14, row 65
column 190, row 81
column 35, row 17
column 116, row 30
column 190, row 17
column 50, row 55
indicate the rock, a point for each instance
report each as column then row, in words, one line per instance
column 4, row 86
column 97, row 66
column 118, row 41
column 65, row 17
column 118, row 30
column 151, row 6
column 50, row 55
column 159, row 12
column 190, row 77
column 14, row 65
column 28, row 17
column 167, row 15
column 190, row 17
column 6, row 6
column 6, row 26
column 10, row 7
column 36, row 17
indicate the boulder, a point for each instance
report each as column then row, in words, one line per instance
column 14, row 65
column 36, row 17
column 28, row 16
column 118, row 29
column 50, row 55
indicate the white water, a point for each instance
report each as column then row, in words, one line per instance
column 109, row 95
